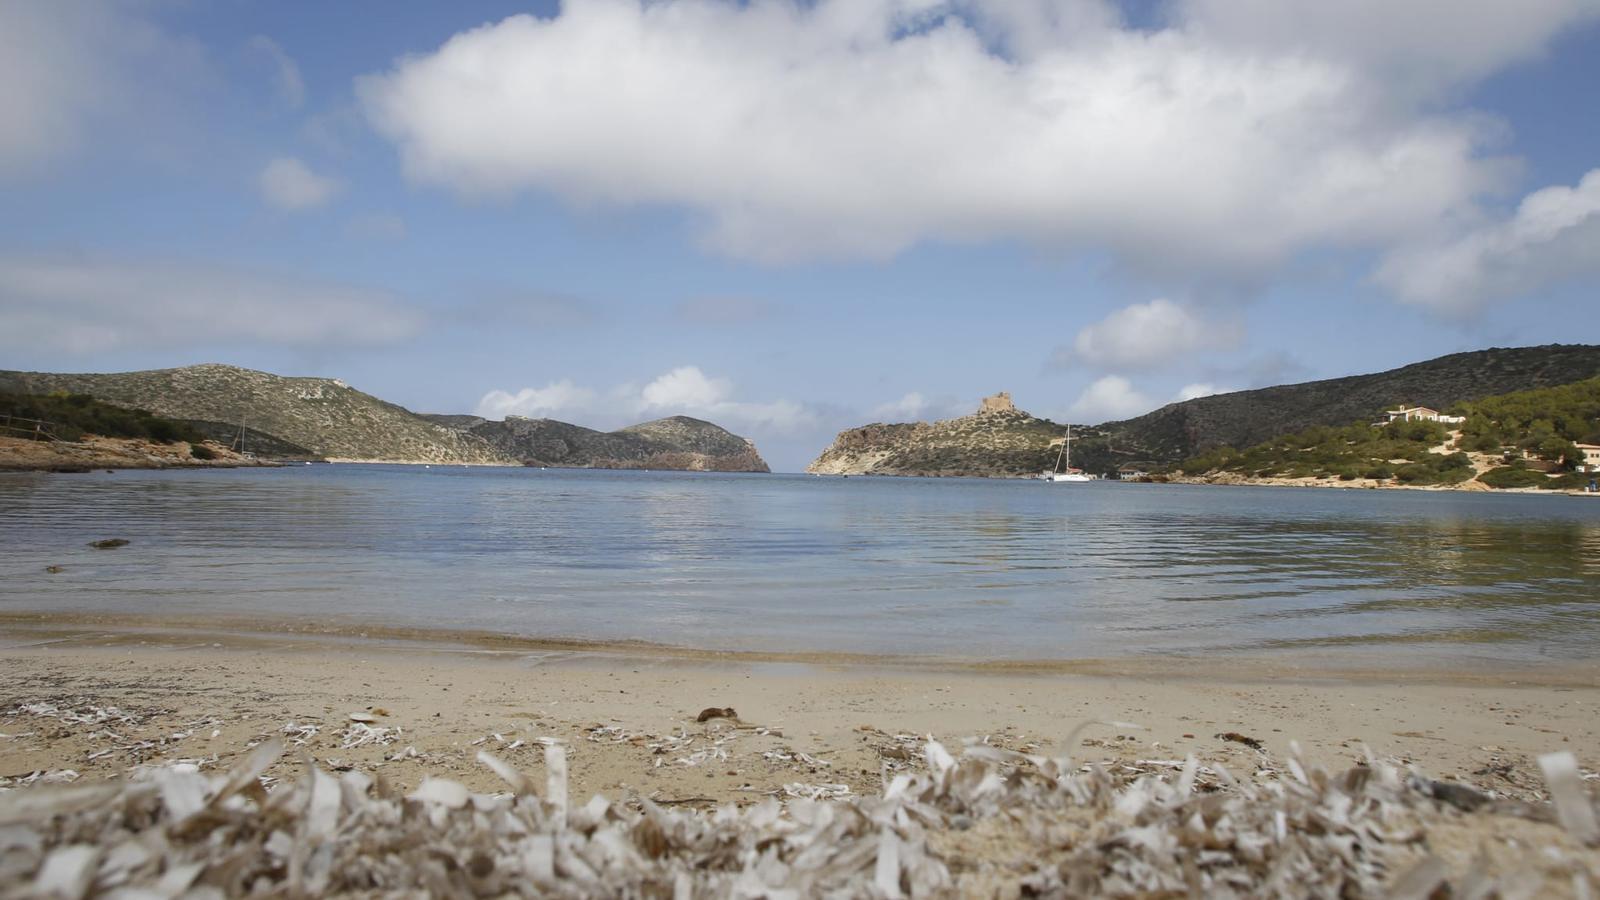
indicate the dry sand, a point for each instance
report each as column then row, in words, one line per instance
column 630, row 716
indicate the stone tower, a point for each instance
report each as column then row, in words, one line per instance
column 1000, row 402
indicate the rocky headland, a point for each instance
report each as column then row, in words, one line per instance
column 996, row 441
column 676, row 443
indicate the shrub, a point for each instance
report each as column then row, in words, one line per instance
column 201, row 451
column 1513, row 477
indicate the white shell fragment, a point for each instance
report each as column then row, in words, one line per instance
column 987, row 823
column 1574, row 810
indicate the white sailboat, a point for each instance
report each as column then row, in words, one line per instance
column 1071, row 475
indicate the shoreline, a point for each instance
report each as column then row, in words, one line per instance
column 1364, row 484
column 41, row 627
column 22, row 455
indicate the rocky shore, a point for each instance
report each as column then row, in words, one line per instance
column 17, row 454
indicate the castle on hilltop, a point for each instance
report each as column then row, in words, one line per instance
column 1000, row 402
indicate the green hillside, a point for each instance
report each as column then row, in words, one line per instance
column 1248, row 418
column 1527, row 438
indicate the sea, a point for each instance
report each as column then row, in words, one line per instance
column 910, row 568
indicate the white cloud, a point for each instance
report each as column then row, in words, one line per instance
column 1553, row 236
column 686, row 387
column 907, row 408
column 1198, row 390
column 856, row 128
column 83, row 306
column 288, row 184
column 688, row 391
column 535, row 403
column 291, row 86
column 1147, row 335
column 1109, row 399
column 70, row 69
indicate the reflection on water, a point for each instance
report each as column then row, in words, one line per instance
column 946, row 567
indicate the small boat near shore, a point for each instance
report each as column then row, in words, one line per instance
column 1067, row 475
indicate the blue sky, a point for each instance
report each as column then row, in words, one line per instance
column 794, row 218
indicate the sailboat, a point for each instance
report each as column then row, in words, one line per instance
column 1071, row 475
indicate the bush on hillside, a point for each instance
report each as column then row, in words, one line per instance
column 1513, row 477
column 71, row 416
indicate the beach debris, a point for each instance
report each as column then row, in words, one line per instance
column 360, row 734
column 1047, row 828
column 109, row 543
column 1574, row 809
column 1245, row 739
column 300, row 734
column 363, row 717
column 716, row 712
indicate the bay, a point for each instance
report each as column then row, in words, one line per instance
column 967, row 569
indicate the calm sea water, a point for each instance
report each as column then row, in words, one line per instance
column 961, row 568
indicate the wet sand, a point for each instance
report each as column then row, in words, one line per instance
column 629, row 713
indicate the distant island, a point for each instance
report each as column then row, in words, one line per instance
column 293, row 418
column 676, row 442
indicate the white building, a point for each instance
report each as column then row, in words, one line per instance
column 1421, row 414
column 1591, row 457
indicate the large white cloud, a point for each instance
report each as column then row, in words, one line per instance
column 78, row 305
column 855, row 128
column 290, row 185
column 1553, row 236
column 1147, row 335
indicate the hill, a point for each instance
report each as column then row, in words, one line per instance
column 1522, row 439
column 997, row 441
column 678, row 442
column 1247, row 418
column 318, row 416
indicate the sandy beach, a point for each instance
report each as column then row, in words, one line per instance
column 649, row 728
column 630, row 714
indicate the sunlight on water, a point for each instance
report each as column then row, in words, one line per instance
column 963, row 568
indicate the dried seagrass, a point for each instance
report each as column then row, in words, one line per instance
column 995, row 821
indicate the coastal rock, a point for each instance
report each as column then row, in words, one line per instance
column 997, row 441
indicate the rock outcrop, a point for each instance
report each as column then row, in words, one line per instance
column 997, row 441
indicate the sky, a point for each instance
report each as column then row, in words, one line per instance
column 795, row 217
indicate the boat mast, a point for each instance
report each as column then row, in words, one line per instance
column 1064, row 445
